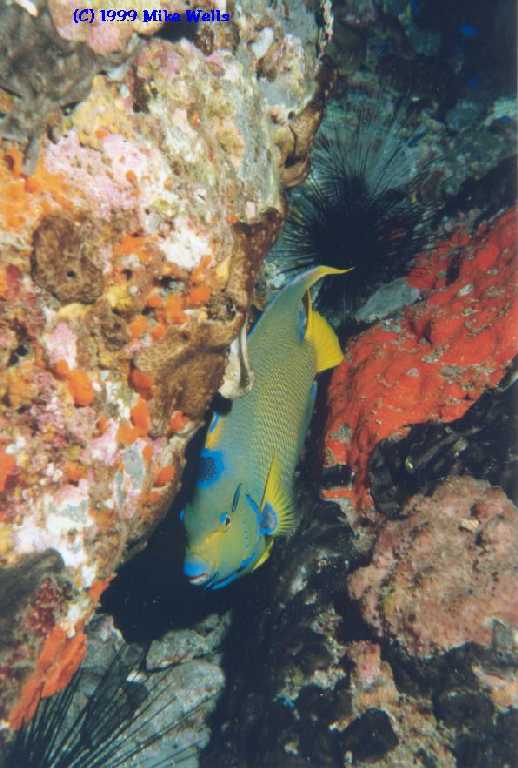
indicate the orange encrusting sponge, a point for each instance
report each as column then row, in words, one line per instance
column 448, row 349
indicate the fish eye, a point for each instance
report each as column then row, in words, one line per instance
column 225, row 519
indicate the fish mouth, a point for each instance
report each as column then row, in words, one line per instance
column 201, row 579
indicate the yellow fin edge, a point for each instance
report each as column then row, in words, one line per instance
column 264, row 557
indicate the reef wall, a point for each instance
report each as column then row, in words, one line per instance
column 141, row 183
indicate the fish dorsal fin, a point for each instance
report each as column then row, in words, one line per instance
column 314, row 275
column 264, row 557
column 324, row 340
column 276, row 509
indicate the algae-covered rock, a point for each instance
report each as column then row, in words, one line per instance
column 446, row 574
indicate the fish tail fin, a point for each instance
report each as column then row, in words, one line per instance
column 323, row 338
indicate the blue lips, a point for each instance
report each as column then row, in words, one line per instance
column 194, row 568
column 196, row 571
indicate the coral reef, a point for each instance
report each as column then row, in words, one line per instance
column 127, row 259
column 421, row 671
column 42, row 73
column 141, row 183
column 318, row 687
column 438, row 594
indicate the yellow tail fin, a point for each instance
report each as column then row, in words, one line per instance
column 324, row 339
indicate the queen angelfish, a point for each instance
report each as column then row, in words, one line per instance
column 244, row 496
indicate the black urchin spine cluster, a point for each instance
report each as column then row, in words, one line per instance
column 361, row 205
column 112, row 729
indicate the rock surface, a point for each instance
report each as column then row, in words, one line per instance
column 482, row 444
column 129, row 705
column 446, row 574
column 127, row 260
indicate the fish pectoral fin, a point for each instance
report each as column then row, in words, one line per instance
column 324, row 340
column 214, row 431
column 264, row 557
column 276, row 508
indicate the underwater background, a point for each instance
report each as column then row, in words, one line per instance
column 161, row 183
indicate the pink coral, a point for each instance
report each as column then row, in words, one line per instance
column 109, row 193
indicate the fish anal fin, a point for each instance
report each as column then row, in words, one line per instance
column 276, row 507
column 323, row 338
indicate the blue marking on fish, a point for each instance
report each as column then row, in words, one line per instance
column 269, row 520
column 243, row 566
column 214, row 422
column 247, row 561
column 223, row 582
column 254, row 506
column 193, row 568
column 211, row 468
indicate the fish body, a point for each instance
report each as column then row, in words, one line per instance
column 243, row 498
